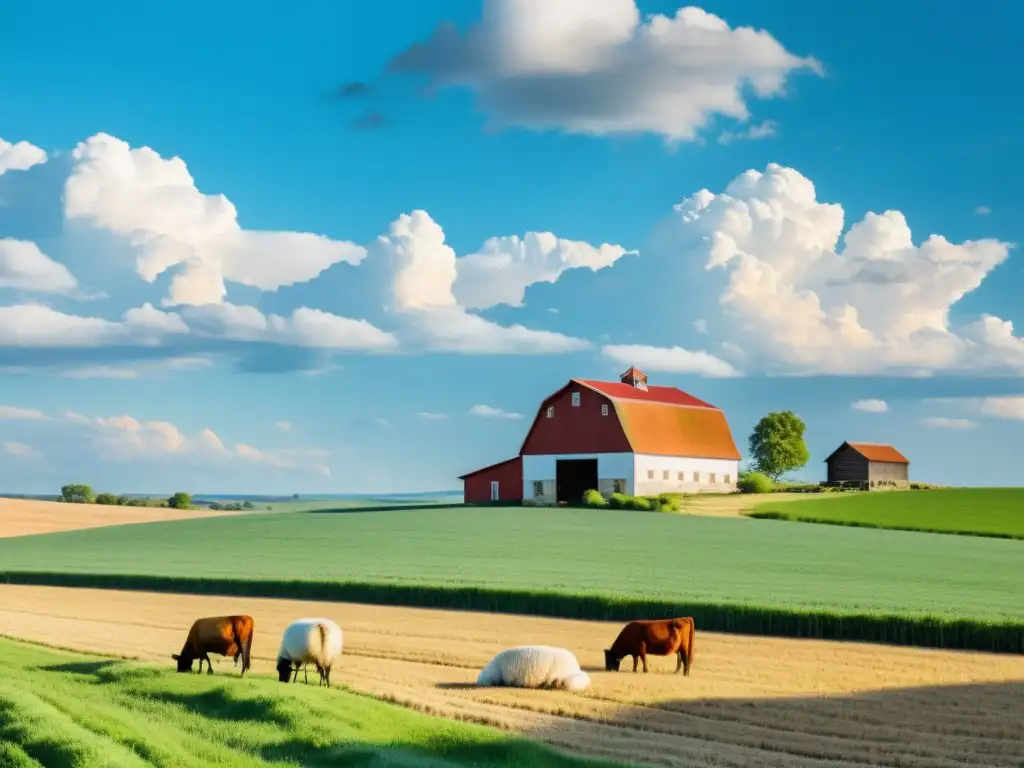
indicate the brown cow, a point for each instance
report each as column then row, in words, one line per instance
column 225, row 635
column 658, row 637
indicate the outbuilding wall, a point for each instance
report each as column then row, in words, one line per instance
column 508, row 475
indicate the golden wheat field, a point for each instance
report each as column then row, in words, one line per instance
column 748, row 701
column 25, row 517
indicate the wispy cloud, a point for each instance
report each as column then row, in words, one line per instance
column 372, row 120
column 487, row 412
column 10, row 413
column 983, row 210
column 427, row 415
column 870, row 406
column 381, row 422
column 284, row 426
column 21, row 450
column 943, row 422
column 764, row 130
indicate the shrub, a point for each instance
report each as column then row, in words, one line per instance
column 641, row 503
column 755, row 482
column 620, row 501
column 77, row 493
column 670, row 502
column 108, row 499
column 594, row 498
column 180, row 500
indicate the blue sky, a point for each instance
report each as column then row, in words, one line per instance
column 225, row 268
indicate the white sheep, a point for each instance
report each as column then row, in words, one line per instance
column 535, row 666
column 309, row 641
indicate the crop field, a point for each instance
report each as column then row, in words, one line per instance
column 65, row 710
column 737, row 574
column 27, row 517
column 749, row 702
column 993, row 512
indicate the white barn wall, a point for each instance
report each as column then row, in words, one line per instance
column 610, row 466
column 673, row 465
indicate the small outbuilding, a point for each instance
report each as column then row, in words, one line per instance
column 870, row 464
column 498, row 482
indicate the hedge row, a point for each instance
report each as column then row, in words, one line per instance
column 789, row 518
column 958, row 634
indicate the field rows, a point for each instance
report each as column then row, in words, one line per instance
column 748, row 702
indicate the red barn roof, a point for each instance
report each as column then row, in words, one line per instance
column 666, row 421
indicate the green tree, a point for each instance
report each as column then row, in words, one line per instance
column 106, row 498
column 180, row 500
column 777, row 444
column 77, row 493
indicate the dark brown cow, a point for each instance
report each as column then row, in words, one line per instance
column 224, row 635
column 658, row 637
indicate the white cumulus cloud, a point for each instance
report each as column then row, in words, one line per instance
column 19, row 156
column 1006, row 407
column 12, row 413
column 489, row 412
column 670, row 360
column 26, row 268
column 600, row 67
column 424, row 269
column 870, row 406
column 155, row 205
column 803, row 297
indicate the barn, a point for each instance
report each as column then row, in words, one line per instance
column 618, row 437
column 868, row 464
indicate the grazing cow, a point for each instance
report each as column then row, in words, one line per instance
column 224, row 635
column 309, row 641
column 658, row 637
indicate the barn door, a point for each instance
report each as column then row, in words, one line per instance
column 495, row 495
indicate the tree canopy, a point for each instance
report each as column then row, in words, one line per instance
column 179, row 500
column 77, row 493
column 777, row 444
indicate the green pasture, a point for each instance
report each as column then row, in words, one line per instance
column 993, row 512
column 732, row 574
column 63, row 710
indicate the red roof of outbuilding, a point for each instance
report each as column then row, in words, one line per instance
column 878, row 452
column 666, row 395
column 490, row 466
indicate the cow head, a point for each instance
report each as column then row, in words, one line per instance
column 611, row 663
column 184, row 663
column 284, row 670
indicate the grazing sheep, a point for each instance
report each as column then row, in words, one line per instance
column 535, row 666
column 309, row 641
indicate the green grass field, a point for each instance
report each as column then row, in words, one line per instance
column 993, row 512
column 787, row 579
column 63, row 710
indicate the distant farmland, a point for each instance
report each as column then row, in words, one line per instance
column 994, row 512
column 738, row 575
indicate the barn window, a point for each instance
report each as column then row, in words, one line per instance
column 728, row 479
column 575, row 399
column 604, row 409
column 538, row 488
column 495, row 494
column 682, row 477
column 618, row 486
column 650, row 474
column 551, row 411
column 696, row 477
column 664, row 474
column 711, row 478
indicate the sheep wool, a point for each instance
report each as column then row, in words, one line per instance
column 535, row 666
column 304, row 641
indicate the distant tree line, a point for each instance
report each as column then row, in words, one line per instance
column 79, row 493
column 232, row 506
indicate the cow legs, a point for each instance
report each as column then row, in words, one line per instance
column 209, row 664
column 305, row 673
column 643, row 658
column 200, row 665
column 679, row 663
column 636, row 660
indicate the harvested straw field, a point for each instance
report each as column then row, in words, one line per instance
column 748, row 701
column 26, row 517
